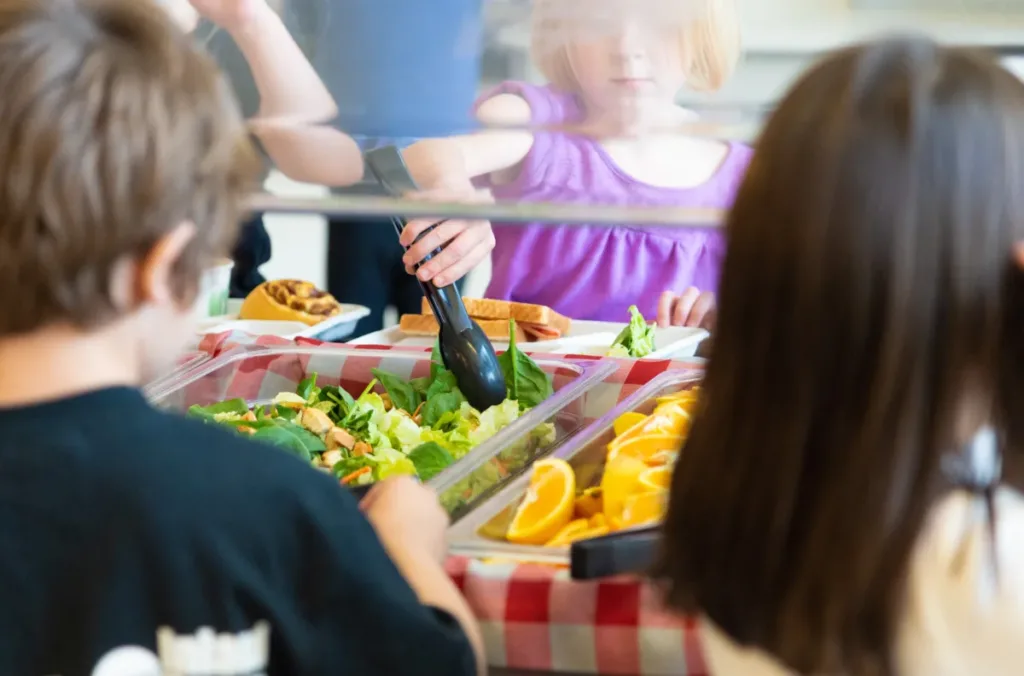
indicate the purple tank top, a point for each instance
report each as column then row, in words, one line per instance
column 598, row 272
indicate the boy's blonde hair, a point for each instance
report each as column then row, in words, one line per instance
column 114, row 130
column 709, row 37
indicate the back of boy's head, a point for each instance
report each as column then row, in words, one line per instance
column 114, row 130
column 870, row 321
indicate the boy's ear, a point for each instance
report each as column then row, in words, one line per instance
column 154, row 275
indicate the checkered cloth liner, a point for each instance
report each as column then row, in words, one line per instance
column 533, row 616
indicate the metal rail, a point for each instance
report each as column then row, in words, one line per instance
column 505, row 212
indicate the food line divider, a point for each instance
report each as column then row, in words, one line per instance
column 506, row 212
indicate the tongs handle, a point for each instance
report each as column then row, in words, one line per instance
column 388, row 167
column 628, row 551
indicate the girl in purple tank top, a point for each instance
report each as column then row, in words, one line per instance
column 614, row 74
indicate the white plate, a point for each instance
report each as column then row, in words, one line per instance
column 585, row 337
column 338, row 327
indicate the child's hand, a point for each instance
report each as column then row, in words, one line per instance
column 229, row 14
column 407, row 517
column 466, row 243
column 692, row 307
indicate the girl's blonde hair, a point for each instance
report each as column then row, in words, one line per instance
column 709, row 40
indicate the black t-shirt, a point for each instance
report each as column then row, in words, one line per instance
column 118, row 522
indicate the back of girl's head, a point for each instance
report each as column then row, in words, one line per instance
column 869, row 310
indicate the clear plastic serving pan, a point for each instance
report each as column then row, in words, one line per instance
column 481, row 533
column 258, row 373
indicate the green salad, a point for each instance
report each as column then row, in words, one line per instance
column 416, row 427
column 636, row 340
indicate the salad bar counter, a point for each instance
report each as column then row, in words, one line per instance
column 582, row 446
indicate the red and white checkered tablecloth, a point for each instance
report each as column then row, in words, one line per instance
column 534, row 617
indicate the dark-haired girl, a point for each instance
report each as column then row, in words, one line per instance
column 848, row 501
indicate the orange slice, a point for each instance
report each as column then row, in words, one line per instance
column 548, row 504
column 643, row 509
column 662, row 459
column 564, row 536
column 578, row 534
column 621, row 480
column 643, row 447
column 626, row 421
column 598, row 521
column 656, row 479
column 589, row 503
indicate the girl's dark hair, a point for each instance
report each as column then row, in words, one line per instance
column 868, row 296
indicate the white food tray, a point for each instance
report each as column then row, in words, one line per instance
column 335, row 328
column 585, row 337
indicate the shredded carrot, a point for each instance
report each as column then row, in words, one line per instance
column 349, row 478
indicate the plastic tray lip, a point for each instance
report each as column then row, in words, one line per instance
column 462, row 537
column 590, row 374
column 189, row 375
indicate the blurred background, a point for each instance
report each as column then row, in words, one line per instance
column 779, row 39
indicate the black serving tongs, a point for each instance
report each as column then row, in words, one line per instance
column 465, row 349
column 628, row 551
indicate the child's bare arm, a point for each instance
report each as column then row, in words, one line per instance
column 294, row 103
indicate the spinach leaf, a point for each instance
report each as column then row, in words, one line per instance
column 421, row 385
column 346, row 466
column 403, row 395
column 430, row 460
column 342, row 400
column 286, row 412
column 444, row 382
column 436, row 360
column 292, row 438
column 307, row 387
column 525, row 381
column 235, row 406
column 439, row 404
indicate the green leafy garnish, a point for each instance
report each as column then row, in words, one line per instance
column 346, row 466
column 440, row 404
column 525, row 381
column 307, row 388
column 402, row 393
column 430, row 459
column 290, row 437
column 636, row 340
column 229, row 407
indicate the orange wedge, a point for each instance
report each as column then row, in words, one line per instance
column 576, row 536
column 598, row 521
column 548, row 504
column 647, row 445
column 621, row 480
column 564, row 536
column 643, row 508
column 662, row 459
column 656, row 479
column 589, row 503
column 627, row 421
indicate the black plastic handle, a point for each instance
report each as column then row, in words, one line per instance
column 387, row 165
column 628, row 551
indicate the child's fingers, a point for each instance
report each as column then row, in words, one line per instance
column 683, row 306
column 431, row 240
column 473, row 257
column 455, row 255
column 665, row 304
column 414, row 229
column 704, row 305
